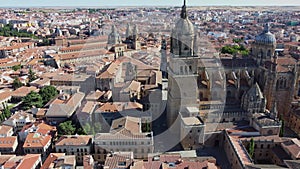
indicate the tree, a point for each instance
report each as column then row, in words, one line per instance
column 17, row 83
column 85, row 129
column 146, row 127
column 66, row 128
column 6, row 111
column 31, row 75
column 97, row 127
column 2, row 117
column 47, row 93
column 235, row 49
column 16, row 67
column 33, row 99
column 237, row 40
column 9, row 30
column 251, row 148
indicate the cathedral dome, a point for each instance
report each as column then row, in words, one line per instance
column 184, row 27
column 266, row 37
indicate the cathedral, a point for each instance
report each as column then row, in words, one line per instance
column 261, row 85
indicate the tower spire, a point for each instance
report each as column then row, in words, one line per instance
column 267, row 28
column 183, row 11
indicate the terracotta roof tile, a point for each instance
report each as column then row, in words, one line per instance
column 74, row 140
column 36, row 140
column 8, row 142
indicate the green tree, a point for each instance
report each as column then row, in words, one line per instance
column 47, row 93
column 251, row 148
column 2, row 117
column 85, row 129
column 6, row 111
column 236, row 40
column 33, row 99
column 245, row 52
column 31, row 75
column 8, row 30
column 16, row 67
column 46, row 42
column 17, row 83
column 146, row 127
column 97, row 127
column 66, row 128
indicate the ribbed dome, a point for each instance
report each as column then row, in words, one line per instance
column 266, row 37
column 184, row 27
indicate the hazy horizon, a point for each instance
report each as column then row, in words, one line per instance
column 131, row 3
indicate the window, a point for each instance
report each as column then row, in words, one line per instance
column 181, row 69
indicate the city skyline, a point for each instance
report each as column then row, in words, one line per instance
column 116, row 3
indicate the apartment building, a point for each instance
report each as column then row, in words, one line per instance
column 78, row 145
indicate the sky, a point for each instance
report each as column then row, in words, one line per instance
column 113, row 3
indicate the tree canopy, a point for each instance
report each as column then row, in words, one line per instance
column 5, row 112
column 17, row 83
column 47, row 93
column 33, row 99
column 31, row 75
column 16, row 67
column 251, row 148
column 236, row 49
column 66, row 128
column 8, row 30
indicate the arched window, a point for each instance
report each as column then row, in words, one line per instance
column 261, row 53
column 285, row 83
column 281, row 83
column 201, row 96
column 228, row 93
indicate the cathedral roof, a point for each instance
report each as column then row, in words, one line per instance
column 184, row 26
column 266, row 37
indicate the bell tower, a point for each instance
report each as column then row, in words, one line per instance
column 182, row 68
